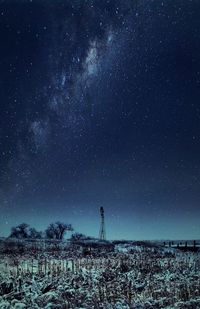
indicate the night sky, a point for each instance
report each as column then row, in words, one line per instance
column 100, row 106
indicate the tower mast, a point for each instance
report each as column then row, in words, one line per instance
column 102, row 231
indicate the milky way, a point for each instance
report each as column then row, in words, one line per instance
column 100, row 107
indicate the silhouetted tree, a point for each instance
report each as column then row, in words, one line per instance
column 78, row 236
column 20, row 231
column 50, row 232
column 23, row 230
column 33, row 233
column 57, row 230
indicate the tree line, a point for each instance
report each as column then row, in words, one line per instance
column 55, row 231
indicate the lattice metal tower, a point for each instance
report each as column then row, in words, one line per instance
column 102, row 231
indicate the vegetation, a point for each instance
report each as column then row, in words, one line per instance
column 55, row 230
column 23, row 230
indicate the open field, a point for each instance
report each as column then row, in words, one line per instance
column 126, row 277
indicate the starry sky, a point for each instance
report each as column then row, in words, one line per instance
column 99, row 106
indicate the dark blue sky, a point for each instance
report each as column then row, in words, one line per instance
column 99, row 106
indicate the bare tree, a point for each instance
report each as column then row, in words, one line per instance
column 23, row 230
column 20, row 231
column 34, row 234
column 78, row 236
column 50, row 232
column 57, row 230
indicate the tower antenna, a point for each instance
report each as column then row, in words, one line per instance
column 102, row 231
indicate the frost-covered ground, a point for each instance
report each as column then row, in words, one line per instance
column 130, row 277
